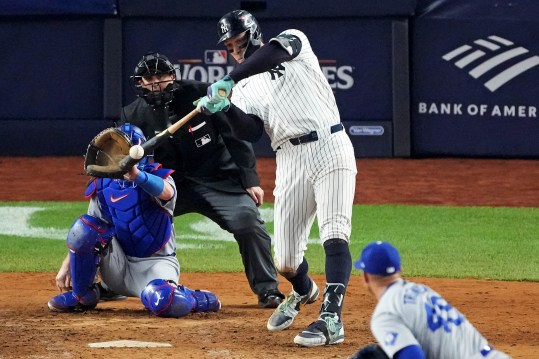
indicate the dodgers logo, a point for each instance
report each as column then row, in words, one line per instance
column 390, row 338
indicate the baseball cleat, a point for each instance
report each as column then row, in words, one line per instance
column 107, row 295
column 324, row 331
column 285, row 313
column 271, row 299
column 67, row 303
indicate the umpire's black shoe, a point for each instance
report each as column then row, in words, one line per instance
column 271, row 298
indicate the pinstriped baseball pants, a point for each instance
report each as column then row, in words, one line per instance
column 313, row 179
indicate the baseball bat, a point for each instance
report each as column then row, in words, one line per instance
column 127, row 162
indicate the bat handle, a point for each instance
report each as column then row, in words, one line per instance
column 127, row 162
column 222, row 92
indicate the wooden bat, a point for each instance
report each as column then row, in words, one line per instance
column 127, row 162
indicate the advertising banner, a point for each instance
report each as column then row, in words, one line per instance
column 475, row 85
column 355, row 56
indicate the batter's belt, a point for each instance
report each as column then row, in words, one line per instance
column 313, row 135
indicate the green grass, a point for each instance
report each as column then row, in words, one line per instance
column 434, row 241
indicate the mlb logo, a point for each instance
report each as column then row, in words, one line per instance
column 203, row 140
column 216, row 57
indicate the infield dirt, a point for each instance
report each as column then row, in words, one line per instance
column 505, row 312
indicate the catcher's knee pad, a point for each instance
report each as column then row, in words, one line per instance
column 87, row 234
column 165, row 299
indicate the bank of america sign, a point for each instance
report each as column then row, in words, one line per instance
column 492, row 60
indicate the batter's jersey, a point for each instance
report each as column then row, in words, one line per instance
column 292, row 99
column 413, row 314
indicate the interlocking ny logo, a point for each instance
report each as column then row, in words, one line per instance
column 500, row 57
column 276, row 72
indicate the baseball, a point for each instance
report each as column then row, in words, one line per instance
column 136, row 152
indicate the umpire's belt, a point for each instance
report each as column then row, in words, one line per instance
column 313, row 136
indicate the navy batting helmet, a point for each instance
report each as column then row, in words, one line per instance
column 155, row 64
column 236, row 22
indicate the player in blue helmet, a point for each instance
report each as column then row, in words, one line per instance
column 412, row 321
column 128, row 234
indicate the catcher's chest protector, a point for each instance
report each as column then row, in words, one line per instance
column 142, row 227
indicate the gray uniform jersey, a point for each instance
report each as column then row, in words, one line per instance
column 129, row 275
column 313, row 178
column 413, row 314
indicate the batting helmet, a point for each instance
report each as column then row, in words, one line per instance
column 236, row 22
column 155, row 64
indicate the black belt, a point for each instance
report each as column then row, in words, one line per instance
column 313, row 136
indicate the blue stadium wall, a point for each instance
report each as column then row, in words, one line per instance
column 411, row 78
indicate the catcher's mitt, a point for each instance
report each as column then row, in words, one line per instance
column 105, row 152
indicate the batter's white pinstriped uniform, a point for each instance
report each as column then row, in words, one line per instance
column 314, row 178
column 413, row 314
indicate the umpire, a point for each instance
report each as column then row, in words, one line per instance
column 215, row 173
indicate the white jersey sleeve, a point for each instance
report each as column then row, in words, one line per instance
column 413, row 314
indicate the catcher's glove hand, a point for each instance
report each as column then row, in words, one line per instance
column 105, row 152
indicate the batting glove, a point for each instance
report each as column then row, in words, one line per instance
column 220, row 90
column 204, row 105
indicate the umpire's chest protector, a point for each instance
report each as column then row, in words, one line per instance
column 142, row 227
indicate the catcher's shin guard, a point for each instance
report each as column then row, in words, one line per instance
column 165, row 299
column 86, row 236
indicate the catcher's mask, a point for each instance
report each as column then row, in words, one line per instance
column 236, row 22
column 155, row 64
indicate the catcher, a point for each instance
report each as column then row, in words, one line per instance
column 411, row 321
column 128, row 233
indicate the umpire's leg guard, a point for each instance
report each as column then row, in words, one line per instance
column 87, row 235
column 166, row 299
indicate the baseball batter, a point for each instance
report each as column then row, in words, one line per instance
column 128, row 233
column 281, row 87
column 412, row 320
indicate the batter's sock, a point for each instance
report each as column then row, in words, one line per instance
column 301, row 281
column 333, row 300
column 338, row 261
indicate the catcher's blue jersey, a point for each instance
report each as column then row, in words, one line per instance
column 142, row 223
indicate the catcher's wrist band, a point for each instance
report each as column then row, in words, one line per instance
column 150, row 183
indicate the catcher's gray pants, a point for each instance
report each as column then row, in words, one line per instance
column 129, row 275
column 237, row 214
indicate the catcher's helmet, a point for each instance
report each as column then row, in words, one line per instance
column 155, row 64
column 236, row 22
column 136, row 136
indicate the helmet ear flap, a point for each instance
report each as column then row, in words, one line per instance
column 236, row 22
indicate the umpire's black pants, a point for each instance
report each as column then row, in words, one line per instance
column 237, row 214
